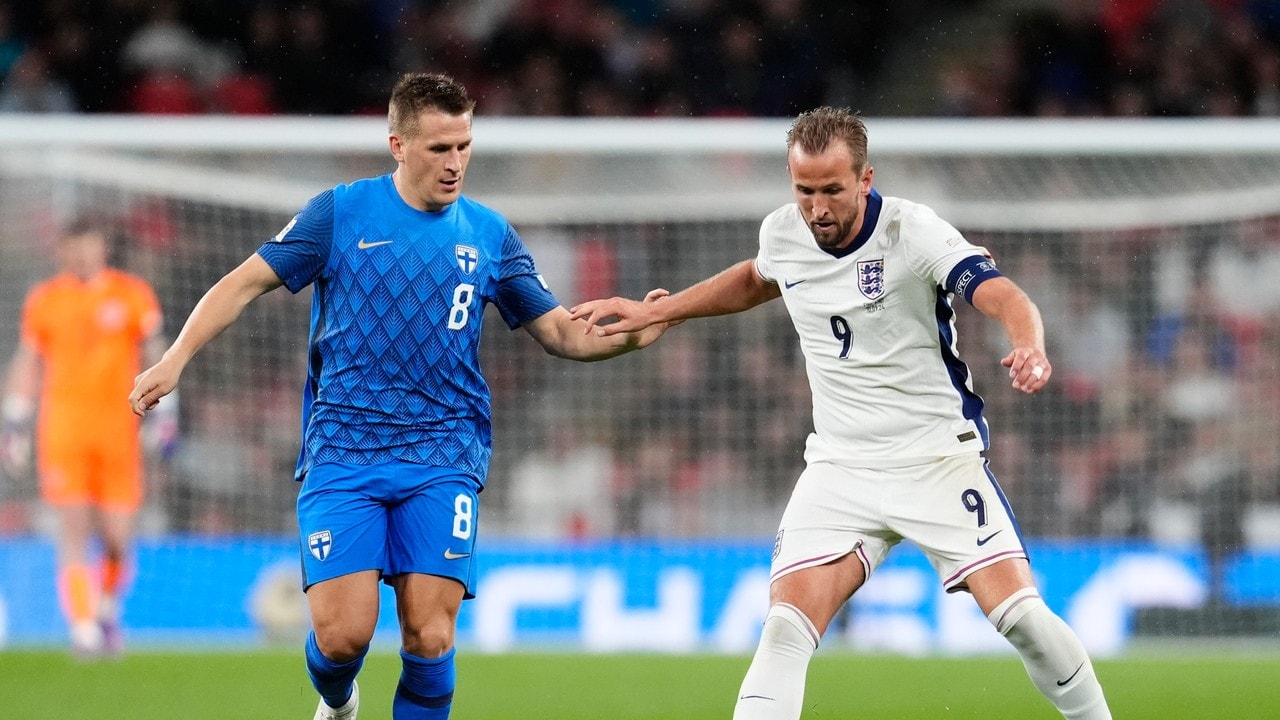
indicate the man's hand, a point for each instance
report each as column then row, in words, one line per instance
column 1029, row 369
column 631, row 315
column 15, row 448
column 152, row 384
column 15, row 434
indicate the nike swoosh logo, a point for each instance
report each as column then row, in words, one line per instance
column 451, row 555
column 365, row 244
column 1077, row 672
column 754, row 697
column 985, row 540
column 792, row 284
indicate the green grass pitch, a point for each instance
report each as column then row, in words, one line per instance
column 273, row 685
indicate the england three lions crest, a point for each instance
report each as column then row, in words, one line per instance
column 871, row 278
column 467, row 258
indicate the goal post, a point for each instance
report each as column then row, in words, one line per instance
column 1152, row 248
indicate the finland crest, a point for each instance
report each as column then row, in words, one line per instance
column 320, row 543
column 871, row 278
column 467, row 256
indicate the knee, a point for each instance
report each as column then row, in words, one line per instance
column 341, row 645
column 1014, row 608
column 430, row 639
column 789, row 630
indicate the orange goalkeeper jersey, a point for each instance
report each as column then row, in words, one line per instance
column 89, row 337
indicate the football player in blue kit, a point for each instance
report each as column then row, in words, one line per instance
column 396, row 414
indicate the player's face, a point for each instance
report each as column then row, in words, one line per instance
column 83, row 255
column 830, row 191
column 432, row 162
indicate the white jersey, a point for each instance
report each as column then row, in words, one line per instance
column 877, row 330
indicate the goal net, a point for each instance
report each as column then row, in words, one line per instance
column 1152, row 249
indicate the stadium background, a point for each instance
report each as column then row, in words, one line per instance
column 632, row 503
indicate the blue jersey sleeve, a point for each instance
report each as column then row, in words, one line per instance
column 300, row 251
column 522, row 294
column 969, row 273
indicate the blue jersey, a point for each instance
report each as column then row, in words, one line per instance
column 393, row 368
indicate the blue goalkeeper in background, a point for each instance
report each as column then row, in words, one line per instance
column 396, row 417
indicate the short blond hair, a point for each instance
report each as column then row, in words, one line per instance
column 813, row 131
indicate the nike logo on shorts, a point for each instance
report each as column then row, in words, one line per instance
column 985, row 540
column 754, row 697
column 791, row 284
column 1077, row 672
column 365, row 244
column 451, row 555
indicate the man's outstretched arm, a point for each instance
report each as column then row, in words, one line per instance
column 733, row 290
column 215, row 312
column 563, row 336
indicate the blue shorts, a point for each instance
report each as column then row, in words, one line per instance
column 397, row 518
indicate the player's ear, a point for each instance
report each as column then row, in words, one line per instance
column 397, row 148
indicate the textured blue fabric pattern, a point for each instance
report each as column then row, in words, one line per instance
column 397, row 311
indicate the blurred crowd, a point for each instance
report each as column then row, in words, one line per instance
column 1122, row 58
column 1162, row 417
column 1166, row 390
column 647, row 57
column 1159, row 424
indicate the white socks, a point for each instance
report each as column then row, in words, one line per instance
column 774, row 686
column 1052, row 654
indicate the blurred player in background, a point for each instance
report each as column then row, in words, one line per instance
column 85, row 334
column 396, row 418
column 899, row 433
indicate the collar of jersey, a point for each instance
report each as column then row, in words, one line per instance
column 389, row 186
column 869, row 220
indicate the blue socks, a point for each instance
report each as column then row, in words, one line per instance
column 426, row 687
column 425, row 691
column 332, row 680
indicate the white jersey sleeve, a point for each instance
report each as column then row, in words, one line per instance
column 876, row 327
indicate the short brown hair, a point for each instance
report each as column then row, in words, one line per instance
column 416, row 92
column 816, row 129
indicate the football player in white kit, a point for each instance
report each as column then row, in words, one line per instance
column 896, row 451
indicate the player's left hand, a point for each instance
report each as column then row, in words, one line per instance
column 15, row 448
column 15, row 435
column 1029, row 369
column 631, row 315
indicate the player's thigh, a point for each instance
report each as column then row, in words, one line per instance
column 342, row 521
column 344, row 613
column 819, row 591
column 63, row 465
column 834, row 511
column 993, row 584
column 432, row 529
column 115, row 480
column 955, row 511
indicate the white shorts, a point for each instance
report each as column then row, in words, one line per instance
column 951, row 508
